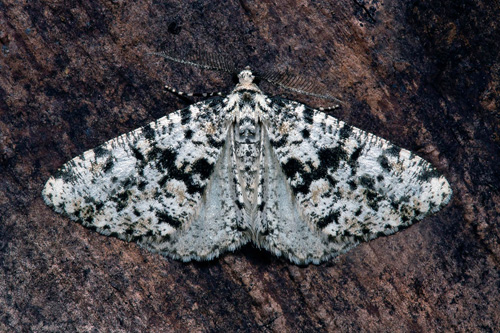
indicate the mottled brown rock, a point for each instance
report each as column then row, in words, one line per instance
column 423, row 74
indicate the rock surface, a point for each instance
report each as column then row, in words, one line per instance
column 423, row 74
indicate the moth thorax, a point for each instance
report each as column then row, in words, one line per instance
column 247, row 131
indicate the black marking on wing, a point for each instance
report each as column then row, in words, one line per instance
column 353, row 159
column 308, row 115
column 239, row 204
column 165, row 217
column 149, row 132
column 137, row 153
column 393, row 151
column 185, row 116
column 188, row 134
column 108, row 166
column 373, row 199
column 100, row 151
column 165, row 162
column 384, row 163
column 329, row 162
column 128, row 182
column 121, row 200
column 214, row 142
column 281, row 142
column 203, row 168
column 333, row 217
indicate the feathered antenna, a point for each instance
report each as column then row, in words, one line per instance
column 216, row 62
column 296, row 84
column 201, row 60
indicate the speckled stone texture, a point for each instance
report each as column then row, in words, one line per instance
column 422, row 74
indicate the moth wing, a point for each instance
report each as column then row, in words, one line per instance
column 281, row 229
column 216, row 227
column 156, row 185
column 346, row 185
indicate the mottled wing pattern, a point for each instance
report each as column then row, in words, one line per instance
column 345, row 184
column 280, row 228
column 161, row 185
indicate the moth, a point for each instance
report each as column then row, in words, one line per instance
column 243, row 168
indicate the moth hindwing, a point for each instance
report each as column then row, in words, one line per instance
column 247, row 167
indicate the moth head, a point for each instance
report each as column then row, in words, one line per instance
column 246, row 80
column 246, row 76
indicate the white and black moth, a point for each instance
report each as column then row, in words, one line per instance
column 247, row 167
